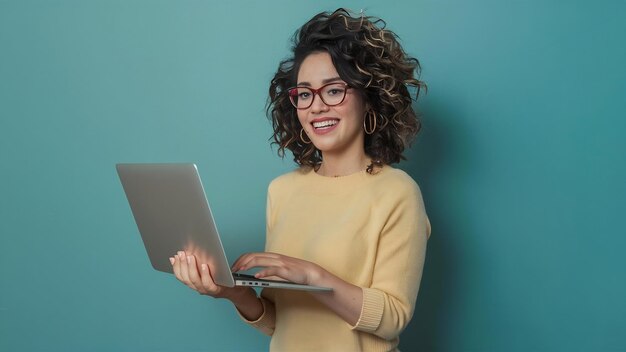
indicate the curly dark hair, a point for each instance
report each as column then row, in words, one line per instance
column 369, row 59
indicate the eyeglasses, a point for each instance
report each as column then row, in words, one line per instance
column 331, row 94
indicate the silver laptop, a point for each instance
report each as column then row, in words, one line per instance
column 172, row 213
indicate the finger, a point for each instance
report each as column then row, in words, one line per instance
column 246, row 256
column 275, row 278
column 191, row 271
column 262, row 262
column 194, row 276
column 242, row 259
column 274, row 272
column 207, row 280
column 184, row 267
column 247, row 261
column 177, row 268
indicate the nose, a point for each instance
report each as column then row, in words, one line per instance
column 318, row 104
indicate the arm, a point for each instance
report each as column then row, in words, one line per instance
column 264, row 321
column 386, row 304
column 250, row 307
column 345, row 299
column 256, row 311
column 389, row 302
column 264, row 313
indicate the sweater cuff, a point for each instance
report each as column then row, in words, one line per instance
column 265, row 323
column 371, row 310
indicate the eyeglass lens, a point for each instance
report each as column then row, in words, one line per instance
column 331, row 94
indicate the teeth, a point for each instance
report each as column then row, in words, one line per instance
column 325, row 123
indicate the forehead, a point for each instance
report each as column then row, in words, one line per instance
column 315, row 68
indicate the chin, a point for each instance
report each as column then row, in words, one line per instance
column 324, row 146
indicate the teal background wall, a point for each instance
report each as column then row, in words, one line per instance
column 521, row 162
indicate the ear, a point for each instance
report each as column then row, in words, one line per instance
column 367, row 106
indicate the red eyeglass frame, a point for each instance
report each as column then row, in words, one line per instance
column 317, row 92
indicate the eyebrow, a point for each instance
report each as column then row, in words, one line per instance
column 325, row 81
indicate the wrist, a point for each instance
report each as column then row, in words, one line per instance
column 240, row 294
column 247, row 303
column 319, row 277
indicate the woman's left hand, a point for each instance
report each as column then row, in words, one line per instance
column 288, row 268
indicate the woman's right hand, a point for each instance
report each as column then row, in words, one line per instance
column 198, row 278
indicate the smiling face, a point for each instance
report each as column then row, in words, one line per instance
column 336, row 130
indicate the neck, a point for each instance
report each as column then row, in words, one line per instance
column 335, row 166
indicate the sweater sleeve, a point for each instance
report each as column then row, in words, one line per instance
column 266, row 322
column 389, row 302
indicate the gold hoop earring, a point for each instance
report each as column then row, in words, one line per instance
column 302, row 137
column 370, row 113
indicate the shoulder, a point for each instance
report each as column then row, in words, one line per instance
column 399, row 194
column 396, row 180
column 394, row 187
column 288, row 180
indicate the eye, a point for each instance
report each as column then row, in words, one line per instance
column 304, row 95
column 334, row 91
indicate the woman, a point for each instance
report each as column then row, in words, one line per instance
column 344, row 219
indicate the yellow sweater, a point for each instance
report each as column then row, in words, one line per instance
column 369, row 230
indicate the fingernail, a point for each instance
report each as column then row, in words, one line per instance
column 172, row 260
column 204, row 267
column 189, row 259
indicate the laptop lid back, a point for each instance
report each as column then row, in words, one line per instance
column 172, row 213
